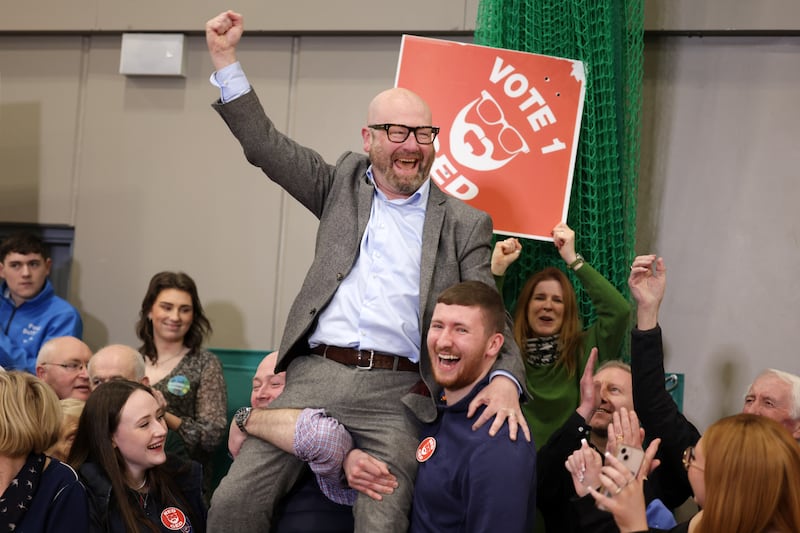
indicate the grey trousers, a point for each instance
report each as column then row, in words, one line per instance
column 368, row 403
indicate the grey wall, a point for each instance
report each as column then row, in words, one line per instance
column 718, row 199
column 152, row 180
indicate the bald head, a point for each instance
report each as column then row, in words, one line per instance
column 61, row 363
column 53, row 349
column 116, row 361
column 267, row 385
column 392, row 105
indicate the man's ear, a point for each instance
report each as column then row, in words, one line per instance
column 48, row 263
column 366, row 135
column 146, row 381
column 796, row 430
column 40, row 371
column 494, row 344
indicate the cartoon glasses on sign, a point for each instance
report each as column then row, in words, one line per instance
column 470, row 143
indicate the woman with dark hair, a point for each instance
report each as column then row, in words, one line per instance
column 119, row 452
column 744, row 474
column 172, row 327
column 37, row 493
column 548, row 330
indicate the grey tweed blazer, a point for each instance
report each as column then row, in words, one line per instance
column 456, row 240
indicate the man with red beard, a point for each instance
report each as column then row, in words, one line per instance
column 389, row 241
column 468, row 480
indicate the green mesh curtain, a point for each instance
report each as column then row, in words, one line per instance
column 607, row 36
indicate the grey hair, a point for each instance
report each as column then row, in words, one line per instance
column 614, row 363
column 133, row 353
column 790, row 379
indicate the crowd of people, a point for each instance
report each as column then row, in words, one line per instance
column 403, row 396
column 119, row 440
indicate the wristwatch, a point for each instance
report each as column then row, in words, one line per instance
column 578, row 262
column 241, row 415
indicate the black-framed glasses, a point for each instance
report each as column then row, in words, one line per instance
column 74, row 366
column 689, row 459
column 398, row 133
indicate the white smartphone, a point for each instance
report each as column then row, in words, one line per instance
column 631, row 457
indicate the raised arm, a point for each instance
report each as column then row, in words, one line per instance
column 656, row 409
column 648, row 281
column 223, row 33
column 613, row 313
column 504, row 254
column 564, row 240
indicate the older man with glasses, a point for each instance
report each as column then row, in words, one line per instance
column 61, row 363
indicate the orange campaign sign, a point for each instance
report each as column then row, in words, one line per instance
column 509, row 128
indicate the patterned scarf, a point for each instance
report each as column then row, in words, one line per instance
column 542, row 351
column 17, row 498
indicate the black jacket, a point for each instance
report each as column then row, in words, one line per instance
column 105, row 516
column 658, row 414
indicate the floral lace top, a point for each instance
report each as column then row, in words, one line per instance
column 195, row 391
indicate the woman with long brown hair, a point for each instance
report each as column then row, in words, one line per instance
column 172, row 327
column 550, row 334
column 119, row 452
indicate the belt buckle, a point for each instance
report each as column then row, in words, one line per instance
column 371, row 356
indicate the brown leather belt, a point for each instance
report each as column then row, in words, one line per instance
column 365, row 359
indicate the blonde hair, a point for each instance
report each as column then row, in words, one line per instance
column 72, row 407
column 752, row 465
column 30, row 415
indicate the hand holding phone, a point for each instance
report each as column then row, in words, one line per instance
column 631, row 457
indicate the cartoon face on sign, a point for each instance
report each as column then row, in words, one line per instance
column 481, row 138
column 509, row 128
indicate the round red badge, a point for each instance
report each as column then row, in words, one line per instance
column 426, row 449
column 173, row 518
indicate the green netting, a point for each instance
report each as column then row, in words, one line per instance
column 607, row 36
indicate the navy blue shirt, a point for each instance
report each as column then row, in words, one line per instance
column 60, row 504
column 473, row 482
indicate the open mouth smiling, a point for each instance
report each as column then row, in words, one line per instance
column 448, row 359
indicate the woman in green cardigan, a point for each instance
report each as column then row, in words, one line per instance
column 549, row 331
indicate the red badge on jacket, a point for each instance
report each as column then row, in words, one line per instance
column 174, row 519
column 426, row 449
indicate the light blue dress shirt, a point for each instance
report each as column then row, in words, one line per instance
column 377, row 305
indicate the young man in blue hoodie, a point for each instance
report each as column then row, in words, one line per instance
column 30, row 311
